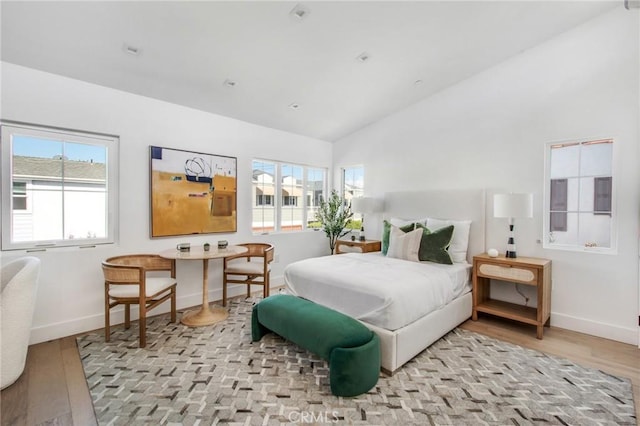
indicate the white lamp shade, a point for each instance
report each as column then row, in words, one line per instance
column 366, row 205
column 513, row 205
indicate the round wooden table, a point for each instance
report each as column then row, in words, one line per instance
column 206, row 315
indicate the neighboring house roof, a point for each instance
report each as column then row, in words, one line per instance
column 51, row 168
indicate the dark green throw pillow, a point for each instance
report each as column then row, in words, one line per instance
column 434, row 245
column 386, row 231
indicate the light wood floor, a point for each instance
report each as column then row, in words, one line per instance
column 53, row 391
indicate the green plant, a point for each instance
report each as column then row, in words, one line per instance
column 334, row 216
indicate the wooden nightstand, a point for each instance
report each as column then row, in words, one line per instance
column 364, row 246
column 523, row 270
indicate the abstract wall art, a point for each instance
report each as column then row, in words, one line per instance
column 192, row 192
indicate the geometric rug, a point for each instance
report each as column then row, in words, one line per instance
column 216, row 375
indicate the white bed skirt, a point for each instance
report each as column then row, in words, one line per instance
column 401, row 345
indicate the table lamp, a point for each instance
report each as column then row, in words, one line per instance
column 512, row 206
column 364, row 205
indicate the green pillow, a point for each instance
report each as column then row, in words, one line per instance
column 386, row 231
column 434, row 245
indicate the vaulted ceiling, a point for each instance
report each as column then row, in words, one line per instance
column 339, row 67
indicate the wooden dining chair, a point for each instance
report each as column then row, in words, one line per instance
column 250, row 268
column 126, row 283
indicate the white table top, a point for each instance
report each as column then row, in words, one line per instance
column 198, row 253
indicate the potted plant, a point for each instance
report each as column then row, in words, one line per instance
column 334, row 216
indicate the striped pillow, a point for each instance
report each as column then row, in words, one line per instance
column 404, row 245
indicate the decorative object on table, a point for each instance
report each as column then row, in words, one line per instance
column 126, row 283
column 512, row 206
column 334, row 216
column 353, row 237
column 492, row 252
column 206, row 246
column 19, row 280
column 366, row 205
column 195, row 186
column 184, row 247
column 222, row 244
column 249, row 268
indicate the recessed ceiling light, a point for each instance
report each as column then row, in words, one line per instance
column 229, row 83
column 294, row 106
column 363, row 57
column 300, row 12
column 131, row 50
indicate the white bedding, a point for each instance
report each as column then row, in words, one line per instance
column 386, row 292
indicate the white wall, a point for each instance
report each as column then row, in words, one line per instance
column 70, row 295
column 490, row 130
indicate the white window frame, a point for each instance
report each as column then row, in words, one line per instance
column 546, row 242
column 110, row 142
column 277, row 197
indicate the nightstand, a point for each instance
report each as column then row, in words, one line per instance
column 366, row 246
column 523, row 270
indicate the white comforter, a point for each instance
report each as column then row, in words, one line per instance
column 386, row 292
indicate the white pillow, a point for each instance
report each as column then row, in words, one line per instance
column 460, row 240
column 394, row 221
column 404, row 245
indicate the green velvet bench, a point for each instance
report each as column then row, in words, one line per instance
column 352, row 350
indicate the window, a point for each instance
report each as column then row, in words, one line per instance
column 353, row 187
column 299, row 190
column 264, row 200
column 19, row 196
column 58, row 187
column 579, row 208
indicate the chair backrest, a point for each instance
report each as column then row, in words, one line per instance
column 264, row 250
column 24, row 269
column 131, row 268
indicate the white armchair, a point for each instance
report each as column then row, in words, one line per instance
column 19, row 285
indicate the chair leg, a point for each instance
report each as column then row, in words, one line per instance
column 127, row 315
column 248, row 290
column 143, row 323
column 173, row 304
column 267, row 284
column 224, row 289
column 107, row 320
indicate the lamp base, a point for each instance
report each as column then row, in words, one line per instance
column 511, row 243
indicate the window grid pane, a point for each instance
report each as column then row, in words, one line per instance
column 263, row 217
column 314, row 194
column 353, row 187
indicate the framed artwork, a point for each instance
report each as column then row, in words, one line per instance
column 192, row 192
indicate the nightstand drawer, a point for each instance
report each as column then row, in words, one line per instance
column 518, row 274
column 358, row 246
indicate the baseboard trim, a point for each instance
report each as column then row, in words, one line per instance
column 595, row 328
column 87, row 323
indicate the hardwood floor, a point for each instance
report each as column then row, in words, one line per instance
column 52, row 390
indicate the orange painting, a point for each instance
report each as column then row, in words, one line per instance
column 192, row 193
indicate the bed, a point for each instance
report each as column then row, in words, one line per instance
column 382, row 292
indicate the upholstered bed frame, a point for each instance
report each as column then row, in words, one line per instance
column 401, row 345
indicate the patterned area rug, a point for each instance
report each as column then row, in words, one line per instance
column 211, row 375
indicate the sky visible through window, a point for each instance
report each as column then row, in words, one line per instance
column 28, row 146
